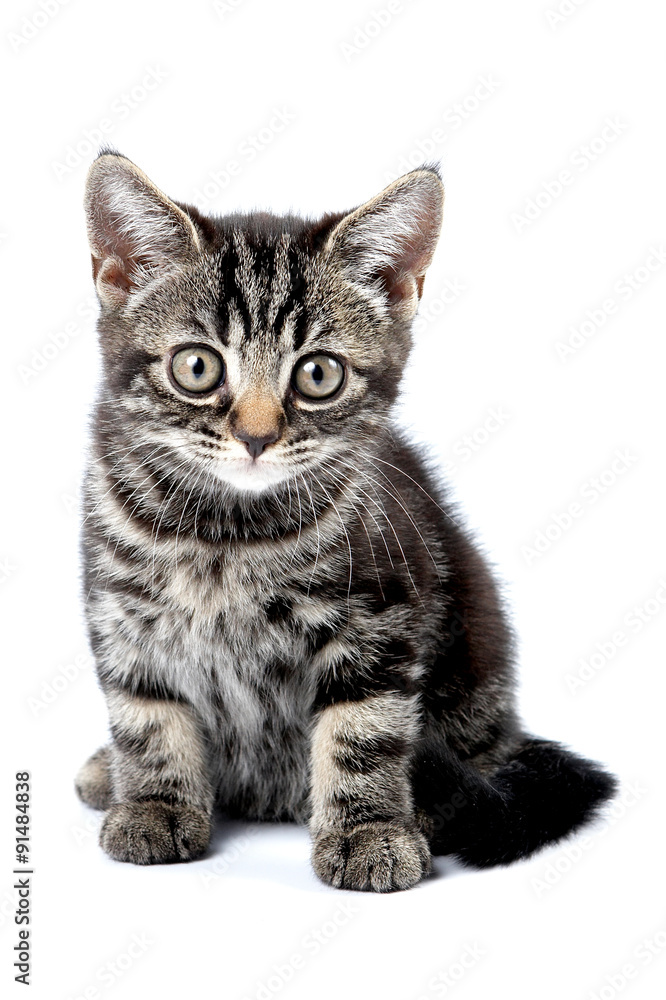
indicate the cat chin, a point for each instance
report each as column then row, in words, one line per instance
column 251, row 477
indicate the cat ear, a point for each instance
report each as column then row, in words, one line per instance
column 135, row 232
column 387, row 244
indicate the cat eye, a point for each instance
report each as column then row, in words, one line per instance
column 318, row 376
column 197, row 369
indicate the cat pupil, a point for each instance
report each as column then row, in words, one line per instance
column 197, row 365
column 318, row 374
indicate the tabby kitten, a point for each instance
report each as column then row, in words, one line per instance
column 288, row 621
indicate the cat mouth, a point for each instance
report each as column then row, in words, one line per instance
column 252, row 475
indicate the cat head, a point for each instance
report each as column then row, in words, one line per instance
column 254, row 346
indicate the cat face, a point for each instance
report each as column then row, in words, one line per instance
column 253, row 349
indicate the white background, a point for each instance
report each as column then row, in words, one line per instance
column 502, row 293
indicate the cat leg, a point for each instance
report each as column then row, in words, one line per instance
column 162, row 796
column 93, row 782
column 362, row 819
column 542, row 793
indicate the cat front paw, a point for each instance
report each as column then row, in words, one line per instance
column 373, row 857
column 154, row 833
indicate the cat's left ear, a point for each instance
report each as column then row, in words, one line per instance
column 135, row 232
column 388, row 243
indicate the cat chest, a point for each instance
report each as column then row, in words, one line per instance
column 240, row 649
column 247, row 611
column 261, row 739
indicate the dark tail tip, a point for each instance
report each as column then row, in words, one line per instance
column 545, row 793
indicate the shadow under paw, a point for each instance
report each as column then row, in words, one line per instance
column 154, row 833
column 374, row 857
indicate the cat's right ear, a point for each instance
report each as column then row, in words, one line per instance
column 135, row 232
column 387, row 244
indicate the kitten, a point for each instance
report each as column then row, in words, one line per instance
column 288, row 621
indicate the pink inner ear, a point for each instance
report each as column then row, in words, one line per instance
column 400, row 285
column 395, row 285
column 111, row 278
column 117, row 246
column 417, row 249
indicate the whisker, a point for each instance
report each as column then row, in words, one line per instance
column 289, row 511
column 395, row 496
column 209, row 476
column 142, row 462
column 314, row 512
column 365, row 528
column 351, row 558
column 390, row 524
column 182, row 514
column 158, row 525
column 103, row 558
column 300, row 523
column 375, row 458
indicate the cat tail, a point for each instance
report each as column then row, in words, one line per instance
column 540, row 795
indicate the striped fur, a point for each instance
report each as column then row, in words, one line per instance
column 307, row 633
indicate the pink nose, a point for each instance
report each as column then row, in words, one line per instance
column 255, row 445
